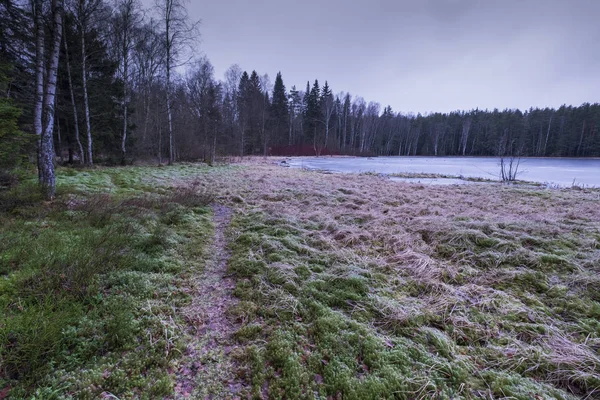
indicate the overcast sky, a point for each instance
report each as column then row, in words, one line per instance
column 417, row 55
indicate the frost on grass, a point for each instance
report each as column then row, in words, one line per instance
column 365, row 288
column 91, row 285
column 348, row 287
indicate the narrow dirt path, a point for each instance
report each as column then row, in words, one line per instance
column 209, row 372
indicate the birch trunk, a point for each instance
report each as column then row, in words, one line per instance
column 125, row 105
column 345, row 131
column 169, row 117
column 547, row 135
column 291, row 126
column 39, row 67
column 242, row 134
column 58, row 146
column 263, row 128
column 213, row 154
column 75, row 116
column 88, row 130
column 466, row 129
column 39, row 78
column 169, row 44
column 128, row 19
column 46, row 159
column 581, row 140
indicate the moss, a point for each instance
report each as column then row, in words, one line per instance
column 422, row 294
column 77, row 280
column 248, row 332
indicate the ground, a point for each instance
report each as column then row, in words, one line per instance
column 257, row 281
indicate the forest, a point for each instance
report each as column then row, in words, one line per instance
column 87, row 81
column 222, row 276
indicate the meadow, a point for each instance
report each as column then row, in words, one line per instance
column 342, row 287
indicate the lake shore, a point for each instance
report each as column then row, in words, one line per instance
column 563, row 172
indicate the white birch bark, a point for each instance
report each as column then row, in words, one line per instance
column 75, row 115
column 86, row 107
column 46, row 159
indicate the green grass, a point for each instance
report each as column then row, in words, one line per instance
column 367, row 289
column 91, row 284
column 349, row 287
column 329, row 329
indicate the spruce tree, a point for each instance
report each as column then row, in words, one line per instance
column 255, row 117
column 279, row 110
column 305, row 100
column 243, row 105
column 313, row 113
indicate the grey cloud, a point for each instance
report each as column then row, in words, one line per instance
column 431, row 55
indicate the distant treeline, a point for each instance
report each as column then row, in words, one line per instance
column 95, row 79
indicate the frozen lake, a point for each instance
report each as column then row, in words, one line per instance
column 558, row 171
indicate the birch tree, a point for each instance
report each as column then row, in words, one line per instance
column 148, row 57
column 464, row 138
column 40, row 57
column 83, row 11
column 295, row 111
column 230, row 87
column 179, row 35
column 126, row 21
column 327, row 103
column 46, row 73
column 73, row 104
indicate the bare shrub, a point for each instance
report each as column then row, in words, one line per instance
column 194, row 194
column 510, row 168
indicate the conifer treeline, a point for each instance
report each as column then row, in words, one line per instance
column 117, row 98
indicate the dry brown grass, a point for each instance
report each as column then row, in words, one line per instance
column 495, row 267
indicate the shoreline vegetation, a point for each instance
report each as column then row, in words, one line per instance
column 345, row 286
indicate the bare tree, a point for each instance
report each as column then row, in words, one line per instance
column 200, row 82
column 547, row 135
column 83, row 11
column 464, row 138
column 232, row 80
column 438, row 133
column 179, row 34
column 73, row 104
column 295, row 113
column 230, row 89
column 126, row 21
column 148, row 59
column 266, row 86
column 327, row 103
